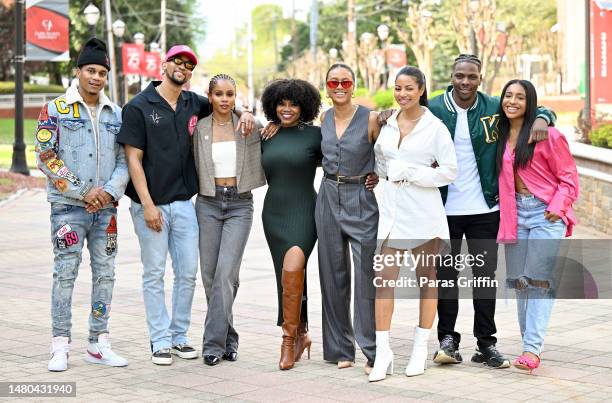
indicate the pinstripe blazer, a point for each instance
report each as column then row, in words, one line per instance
column 249, row 172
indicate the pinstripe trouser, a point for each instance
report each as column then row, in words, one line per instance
column 346, row 214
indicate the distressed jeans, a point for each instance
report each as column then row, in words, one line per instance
column 70, row 227
column 225, row 223
column 179, row 236
column 533, row 257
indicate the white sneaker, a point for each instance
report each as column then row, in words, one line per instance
column 59, row 354
column 101, row 353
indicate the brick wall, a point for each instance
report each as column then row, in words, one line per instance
column 595, row 202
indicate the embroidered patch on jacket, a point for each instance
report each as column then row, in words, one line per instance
column 193, row 121
column 55, row 165
column 50, row 123
column 47, row 155
column 61, row 185
column 43, row 135
column 111, row 236
column 44, row 113
column 65, row 173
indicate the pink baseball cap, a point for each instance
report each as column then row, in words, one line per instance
column 182, row 50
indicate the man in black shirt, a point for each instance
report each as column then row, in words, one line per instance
column 156, row 131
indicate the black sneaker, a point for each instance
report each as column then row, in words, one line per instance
column 185, row 351
column 448, row 352
column 490, row 357
column 162, row 357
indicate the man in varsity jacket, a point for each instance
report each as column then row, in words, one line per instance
column 471, row 204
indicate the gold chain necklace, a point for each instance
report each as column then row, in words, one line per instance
column 221, row 123
column 349, row 118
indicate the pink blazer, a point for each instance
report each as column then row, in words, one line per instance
column 551, row 176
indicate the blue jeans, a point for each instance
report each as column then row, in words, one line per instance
column 530, row 265
column 179, row 236
column 225, row 223
column 70, row 227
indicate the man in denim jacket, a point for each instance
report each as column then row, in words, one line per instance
column 76, row 148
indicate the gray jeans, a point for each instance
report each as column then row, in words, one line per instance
column 225, row 223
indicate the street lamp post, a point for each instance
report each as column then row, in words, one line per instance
column 92, row 15
column 383, row 34
column 19, row 163
column 139, row 39
column 119, row 31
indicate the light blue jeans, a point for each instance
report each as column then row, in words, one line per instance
column 70, row 227
column 530, row 264
column 179, row 236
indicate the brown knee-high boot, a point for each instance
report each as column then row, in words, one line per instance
column 293, row 288
column 303, row 341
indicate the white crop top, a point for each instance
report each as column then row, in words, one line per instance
column 224, row 159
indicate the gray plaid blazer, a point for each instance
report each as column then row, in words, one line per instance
column 249, row 172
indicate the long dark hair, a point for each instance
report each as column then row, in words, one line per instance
column 420, row 79
column 523, row 152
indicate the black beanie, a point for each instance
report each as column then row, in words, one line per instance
column 94, row 52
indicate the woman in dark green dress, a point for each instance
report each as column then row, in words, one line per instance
column 290, row 160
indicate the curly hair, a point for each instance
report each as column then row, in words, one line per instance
column 300, row 92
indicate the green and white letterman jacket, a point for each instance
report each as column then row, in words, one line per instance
column 483, row 118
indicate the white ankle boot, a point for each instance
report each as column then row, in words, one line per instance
column 418, row 358
column 383, row 365
column 59, row 354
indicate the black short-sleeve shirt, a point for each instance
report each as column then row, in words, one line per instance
column 164, row 135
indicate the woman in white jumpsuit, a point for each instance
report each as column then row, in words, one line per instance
column 416, row 155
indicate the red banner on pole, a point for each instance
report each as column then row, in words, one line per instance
column 601, row 62
column 151, row 66
column 132, row 56
column 47, row 27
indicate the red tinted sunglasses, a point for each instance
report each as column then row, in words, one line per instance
column 346, row 84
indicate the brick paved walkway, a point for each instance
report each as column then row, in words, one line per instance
column 577, row 359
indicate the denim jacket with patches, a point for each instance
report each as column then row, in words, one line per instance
column 77, row 155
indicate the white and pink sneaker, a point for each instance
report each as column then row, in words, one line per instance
column 59, row 354
column 101, row 353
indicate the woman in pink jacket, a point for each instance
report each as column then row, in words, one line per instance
column 538, row 183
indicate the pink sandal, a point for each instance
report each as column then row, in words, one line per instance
column 527, row 363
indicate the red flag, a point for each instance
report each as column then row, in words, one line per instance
column 132, row 56
column 151, row 65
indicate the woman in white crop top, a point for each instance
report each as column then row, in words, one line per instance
column 228, row 166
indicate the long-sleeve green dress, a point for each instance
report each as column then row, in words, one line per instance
column 290, row 160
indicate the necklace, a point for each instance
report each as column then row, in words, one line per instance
column 166, row 99
column 417, row 119
column 349, row 118
column 221, row 123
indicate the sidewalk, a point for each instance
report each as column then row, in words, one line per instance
column 577, row 362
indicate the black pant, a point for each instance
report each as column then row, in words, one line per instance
column 480, row 231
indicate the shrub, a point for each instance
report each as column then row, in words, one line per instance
column 435, row 93
column 384, row 99
column 602, row 136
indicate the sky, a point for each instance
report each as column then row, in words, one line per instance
column 223, row 17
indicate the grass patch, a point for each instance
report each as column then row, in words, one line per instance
column 8, row 87
column 7, row 131
column 6, row 156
